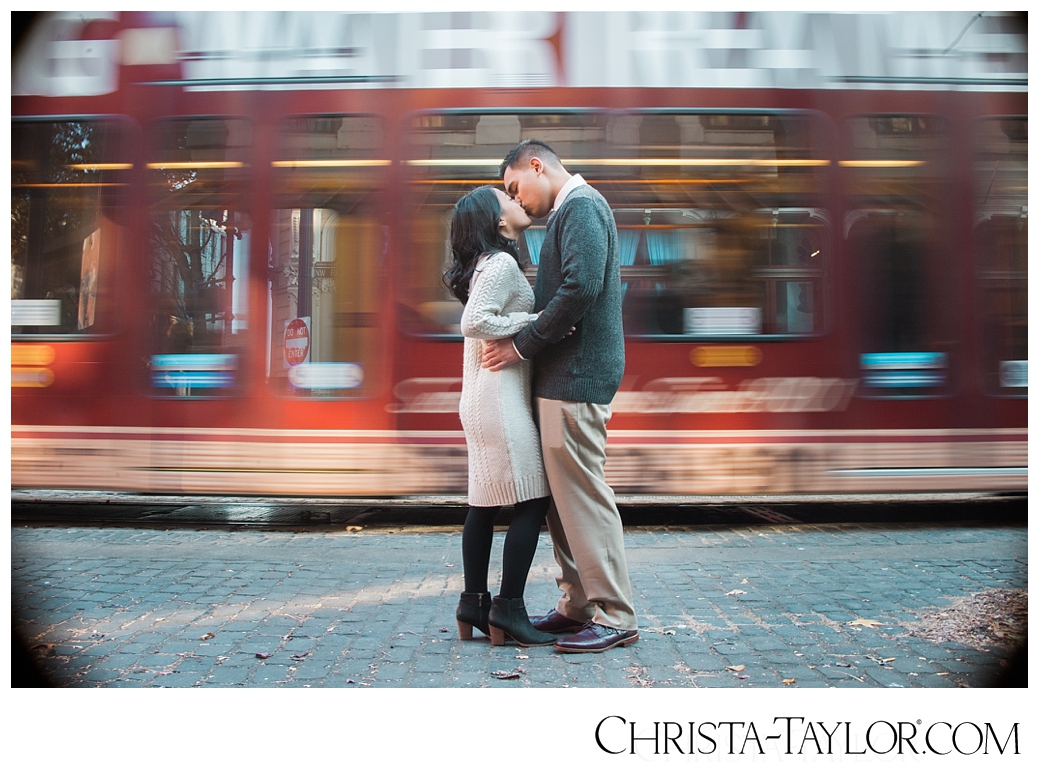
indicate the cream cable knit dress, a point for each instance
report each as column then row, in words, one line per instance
column 505, row 464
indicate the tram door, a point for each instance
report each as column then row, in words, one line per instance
column 326, row 346
column 288, row 354
column 904, row 273
column 915, row 377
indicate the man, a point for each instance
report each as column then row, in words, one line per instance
column 576, row 376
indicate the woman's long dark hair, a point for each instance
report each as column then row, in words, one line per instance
column 474, row 232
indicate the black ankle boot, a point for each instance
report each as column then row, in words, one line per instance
column 508, row 618
column 472, row 611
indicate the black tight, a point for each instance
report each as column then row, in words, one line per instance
column 520, row 543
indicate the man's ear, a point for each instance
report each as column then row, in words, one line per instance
column 536, row 165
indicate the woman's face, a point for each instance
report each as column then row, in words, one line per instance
column 513, row 219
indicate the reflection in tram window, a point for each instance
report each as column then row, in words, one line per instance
column 721, row 228
column 199, row 255
column 66, row 178
column 894, row 185
column 325, row 263
column 1001, row 234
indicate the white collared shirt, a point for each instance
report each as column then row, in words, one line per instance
column 569, row 186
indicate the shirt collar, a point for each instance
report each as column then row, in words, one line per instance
column 569, row 186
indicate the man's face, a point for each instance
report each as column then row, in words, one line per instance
column 527, row 184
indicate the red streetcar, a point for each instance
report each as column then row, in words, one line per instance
column 229, row 230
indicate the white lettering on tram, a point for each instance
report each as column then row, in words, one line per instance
column 375, row 50
column 667, row 395
column 658, row 49
column 492, row 49
column 55, row 60
column 230, row 45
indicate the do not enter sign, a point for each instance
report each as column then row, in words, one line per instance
column 297, row 341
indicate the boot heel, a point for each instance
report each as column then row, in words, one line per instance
column 497, row 636
column 465, row 631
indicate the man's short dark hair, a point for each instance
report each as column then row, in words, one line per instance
column 524, row 151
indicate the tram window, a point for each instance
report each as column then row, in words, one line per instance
column 894, row 183
column 199, row 255
column 66, row 183
column 326, row 257
column 734, row 277
column 723, row 234
column 721, row 230
column 1001, row 237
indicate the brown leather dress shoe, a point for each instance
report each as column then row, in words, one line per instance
column 595, row 638
column 555, row 623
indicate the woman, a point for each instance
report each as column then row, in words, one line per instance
column 505, row 465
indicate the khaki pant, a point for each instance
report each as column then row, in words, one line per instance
column 584, row 523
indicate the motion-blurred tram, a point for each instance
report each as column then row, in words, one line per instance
column 228, row 232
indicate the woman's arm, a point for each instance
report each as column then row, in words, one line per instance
column 493, row 287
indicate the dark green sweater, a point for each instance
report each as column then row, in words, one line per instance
column 578, row 285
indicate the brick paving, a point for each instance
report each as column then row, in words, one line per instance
column 772, row 606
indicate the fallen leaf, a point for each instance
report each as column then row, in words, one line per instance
column 841, row 663
column 300, row 656
column 789, row 682
column 207, row 635
column 743, row 676
column 735, row 592
column 501, row 674
column 739, row 668
column 864, row 622
column 354, row 528
column 264, row 655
